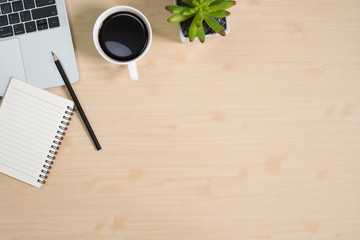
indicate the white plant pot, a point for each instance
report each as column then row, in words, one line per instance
column 186, row 39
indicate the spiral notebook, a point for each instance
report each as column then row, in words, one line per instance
column 32, row 125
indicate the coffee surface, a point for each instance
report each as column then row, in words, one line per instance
column 123, row 36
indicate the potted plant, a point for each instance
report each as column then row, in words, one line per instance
column 200, row 18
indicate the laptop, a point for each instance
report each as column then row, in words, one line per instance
column 29, row 31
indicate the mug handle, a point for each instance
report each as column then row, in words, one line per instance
column 134, row 75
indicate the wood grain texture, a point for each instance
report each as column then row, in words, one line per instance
column 255, row 136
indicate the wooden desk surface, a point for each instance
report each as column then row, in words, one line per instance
column 255, row 136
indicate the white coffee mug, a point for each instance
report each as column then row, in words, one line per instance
column 131, row 63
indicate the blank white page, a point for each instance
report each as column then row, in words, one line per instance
column 30, row 119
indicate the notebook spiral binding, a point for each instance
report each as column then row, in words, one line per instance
column 55, row 145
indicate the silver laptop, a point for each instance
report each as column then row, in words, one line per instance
column 29, row 31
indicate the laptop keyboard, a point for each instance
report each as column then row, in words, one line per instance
column 25, row 16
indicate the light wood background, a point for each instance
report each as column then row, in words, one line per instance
column 255, row 136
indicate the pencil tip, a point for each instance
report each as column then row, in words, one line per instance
column 54, row 56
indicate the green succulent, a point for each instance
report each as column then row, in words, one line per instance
column 201, row 10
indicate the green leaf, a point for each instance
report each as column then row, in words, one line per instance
column 214, row 25
column 189, row 11
column 199, row 18
column 215, row 2
column 178, row 18
column 201, row 34
column 193, row 28
column 222, row 6
column 219, row 14
column 188, row 2
column 176, row 9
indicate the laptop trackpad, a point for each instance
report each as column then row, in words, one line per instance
column 11, row 63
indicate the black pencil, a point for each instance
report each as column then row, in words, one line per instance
column 76, row 101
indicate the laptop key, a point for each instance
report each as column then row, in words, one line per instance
column 17, row 6
column 42, row 24
column 54, row 22
column 6, row 32
column 30, row 27
column 28, row 4
column 19, row 29
column 6, row 8
column 3, row 1
column 3, row 21
column 14, row 18
column 41, row 3
column 44, row 12
column 25, row 16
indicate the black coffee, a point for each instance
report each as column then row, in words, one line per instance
column 123, row 36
